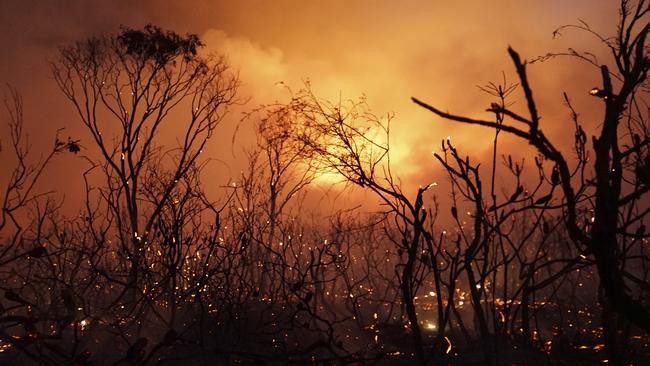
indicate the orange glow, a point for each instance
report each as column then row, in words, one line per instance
column 330, row 213
column 387, row 53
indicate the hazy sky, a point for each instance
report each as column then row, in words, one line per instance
column 435, row 50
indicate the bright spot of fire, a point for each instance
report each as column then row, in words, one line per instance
column 449, row 346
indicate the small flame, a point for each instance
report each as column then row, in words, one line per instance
column 449, row 346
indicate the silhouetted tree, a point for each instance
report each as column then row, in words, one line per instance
column 347, row 139
column 614, row 187
column 125, row 89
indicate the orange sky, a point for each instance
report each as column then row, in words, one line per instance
column 437, row 51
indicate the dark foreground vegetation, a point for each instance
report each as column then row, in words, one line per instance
column 547, row 265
